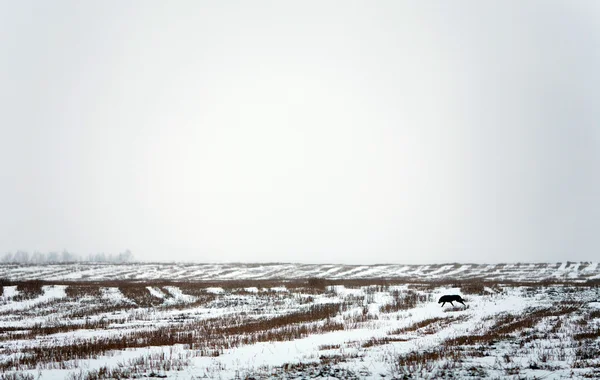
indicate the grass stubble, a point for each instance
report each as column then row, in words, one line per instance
column 563, row 335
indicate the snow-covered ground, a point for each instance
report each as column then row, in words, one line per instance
column 576, row 271
column 382, row 329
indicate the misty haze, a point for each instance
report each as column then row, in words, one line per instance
column 309, row 132
column 259, row 190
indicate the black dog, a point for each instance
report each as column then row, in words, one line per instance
column 450, row 298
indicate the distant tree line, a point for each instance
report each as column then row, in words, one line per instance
column 23, row 257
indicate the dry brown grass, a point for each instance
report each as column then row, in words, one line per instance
column 38, row 330
column 507, row 324
column 83, row 290
column 206, row 337
column 273, row 316
column 139, row 294
column 425, row 361
column 591, row 334
column 428, row 326
column 404, row 301
column 381, row 341
column 3, row 282
column 28, row 289
column 325, row 347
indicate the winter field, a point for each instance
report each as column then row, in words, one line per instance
column 244, row 321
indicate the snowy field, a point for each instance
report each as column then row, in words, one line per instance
column 365, row 322
column 238, row 271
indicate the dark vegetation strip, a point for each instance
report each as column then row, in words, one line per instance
column 427, row 325
column 469, row 286
column 418, row 361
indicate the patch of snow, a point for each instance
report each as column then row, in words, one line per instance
column 590, row 268
column 560, row 270
column 155, row 292
column 178, row 295
column 342, row 291
column 114, row 295
column 214, row 290
column 49, row 293
column 489, row 290
column 10, row 292
column 456, row 271
column 440, row 270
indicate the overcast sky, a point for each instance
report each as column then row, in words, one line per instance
column 307, row 131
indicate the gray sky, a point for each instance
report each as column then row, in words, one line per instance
column 308, row 131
